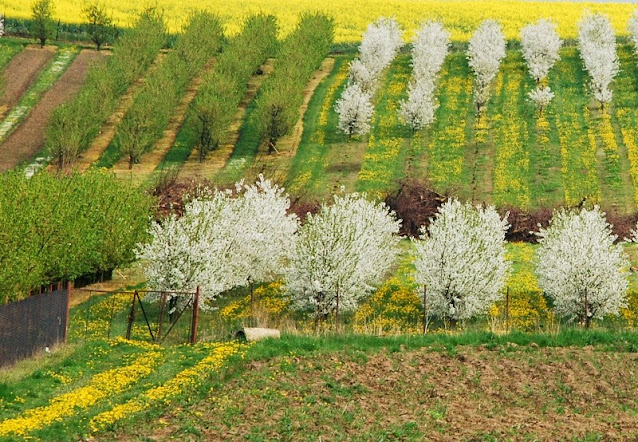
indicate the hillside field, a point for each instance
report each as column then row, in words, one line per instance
column 352, row 17
column 573, row 385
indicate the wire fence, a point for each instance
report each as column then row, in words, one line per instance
column 32, row 324
column 161, row 317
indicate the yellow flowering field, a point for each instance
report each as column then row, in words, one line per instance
column 352, row 16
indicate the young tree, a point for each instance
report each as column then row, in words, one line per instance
column 340, row 253
column 541, row 97
column 99, row 23
column 485, row 53
column 380, row 44
column 418, row 110
column 429, row 50
column 632, row 27
column 540, row 44
column 460, row 259
column 580, row 267
column 355, row 111
column 42, row 25
column 597, row 44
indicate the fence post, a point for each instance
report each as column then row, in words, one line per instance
column 69, row 290
column 131, row 317
column 507, row 310
column 195, row 316
column 337, row 314
column 425, row 309
column 161, row 316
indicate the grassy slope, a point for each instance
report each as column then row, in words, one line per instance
column 512, row 157
column 272, row 372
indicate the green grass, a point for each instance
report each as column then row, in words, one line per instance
column 245, row 150
column 9, row 48
column 307, row 171
column 383, row 163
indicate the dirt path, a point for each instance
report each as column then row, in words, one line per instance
column 151, row 160
column 108, row 131
column 216, row 160
column 28, row 138
column 278, row 165
column 21, row 72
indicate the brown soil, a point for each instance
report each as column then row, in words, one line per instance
column 472, row 394
column 28, row 138
column 21, row 72
column 216, row 160
column 151, row 160
column 108, row 131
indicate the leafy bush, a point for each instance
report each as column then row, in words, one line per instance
column 58, row 228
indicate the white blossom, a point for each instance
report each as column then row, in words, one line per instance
column 597, row 44
column 222, row 241
column 485, row 53
column 429, row 49
column 540, row 44
column 381, row 42
column 632, row 27
column 580, row 267
column 541, row 97
column 267, row 230
column 461, row 261
column 355, row 110
column 341, row 253
column 418, row 110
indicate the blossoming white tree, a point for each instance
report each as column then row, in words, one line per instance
column 340, row 253
column 429, row 50
column 580, row 267
column 485, row 53
column 460, row 259
column 267, row 230
column 418, row 110
column 355, row 110
column 222, row 241
column 540, row 44
column 381, row 42
column 632, row 27
column 597, row 44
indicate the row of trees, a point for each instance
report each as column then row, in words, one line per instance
column 59, row 228
column 540, row 44
column 381, row 42
column 223, row 88
column 485, row 52
column 98, row 22
column 336, row 257
column 597, row 44
column 154, row 104
column 74, row 125
column 281, row 95
column 429, row 50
